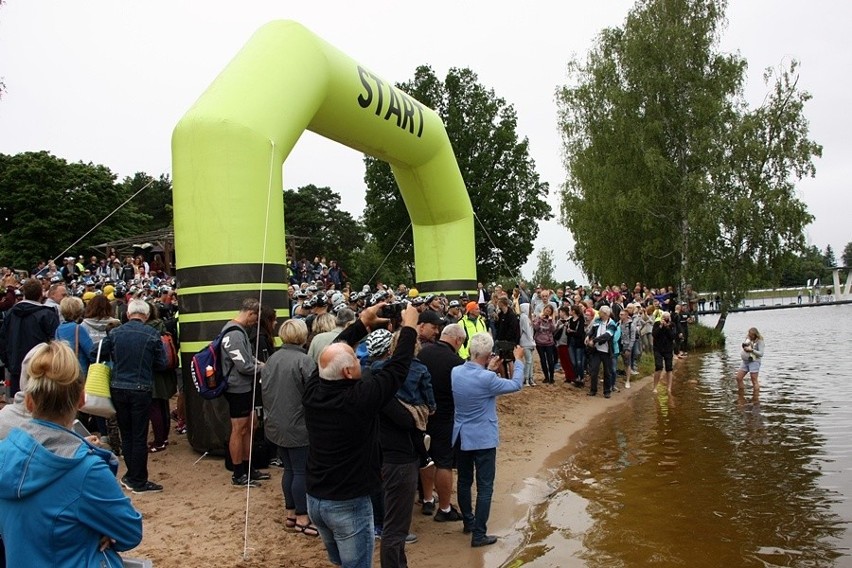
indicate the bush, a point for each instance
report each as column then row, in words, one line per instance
column 702, row 337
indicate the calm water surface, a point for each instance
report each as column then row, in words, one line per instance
column 707, row 478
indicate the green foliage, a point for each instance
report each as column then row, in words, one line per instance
column 828, row 258
column 847, row 254
column 47, row 204
column 670, row 175
column 543, row 274
column 367, row 263
column 702, row 337
column 797, row 269
column 500, row 176
column 155, row 200
column 317, row 227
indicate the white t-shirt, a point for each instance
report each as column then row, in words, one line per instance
column 603, row 347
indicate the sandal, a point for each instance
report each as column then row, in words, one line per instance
column 307, row 530
column 290, row 522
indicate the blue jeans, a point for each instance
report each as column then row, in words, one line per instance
column 485, row 464
column 133, row 412
column 528, row 363
column 346, row 528
column 637, row 351
column 293, row 481
column 578, row 358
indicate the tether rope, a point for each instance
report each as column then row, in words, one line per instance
column 257, row 350
column 509, row 270
column 101, row 222
column 389, row 253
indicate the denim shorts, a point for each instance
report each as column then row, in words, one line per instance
column 750, row 366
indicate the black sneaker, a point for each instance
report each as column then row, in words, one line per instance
column 484, row 541
column 258, row 475
column 451, row 515
column 148, row 487
column 244, row 481
column 428, row 508
column 125, row 483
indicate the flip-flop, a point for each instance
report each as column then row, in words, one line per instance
column 290, row 522
column 307, row 530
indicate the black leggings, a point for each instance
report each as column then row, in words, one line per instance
column 547, row 356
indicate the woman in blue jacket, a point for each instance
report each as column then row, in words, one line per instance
column 60, row 503
column 75, row 334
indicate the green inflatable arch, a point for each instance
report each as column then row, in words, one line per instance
column 228, row 152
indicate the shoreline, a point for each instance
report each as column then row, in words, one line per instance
column 200, row 519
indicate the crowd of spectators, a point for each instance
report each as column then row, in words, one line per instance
column 340, row 347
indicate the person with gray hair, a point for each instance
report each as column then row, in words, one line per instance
column 342, row 417
column 344, row 318
column 601, row 341
column 476, row 387
column 135, row 350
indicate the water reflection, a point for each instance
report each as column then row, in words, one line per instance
column 708, row 477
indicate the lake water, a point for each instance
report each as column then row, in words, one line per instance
column 708, row 478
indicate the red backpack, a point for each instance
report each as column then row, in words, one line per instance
column 172, row 359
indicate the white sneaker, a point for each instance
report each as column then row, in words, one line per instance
column 627, row 385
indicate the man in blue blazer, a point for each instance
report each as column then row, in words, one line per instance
column 476, row 386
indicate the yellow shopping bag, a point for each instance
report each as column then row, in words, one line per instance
column 98, row 401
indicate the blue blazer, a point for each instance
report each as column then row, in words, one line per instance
column 475, row 392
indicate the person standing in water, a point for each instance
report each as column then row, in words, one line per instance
column 751, row 355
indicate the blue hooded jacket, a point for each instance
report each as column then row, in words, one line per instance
column 59, row 496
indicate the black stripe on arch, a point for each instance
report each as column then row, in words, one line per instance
column 447, row 286
column 192, row 303
column 230, row 274
column 201, row 331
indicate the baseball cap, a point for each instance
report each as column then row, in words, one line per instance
column 430, row 316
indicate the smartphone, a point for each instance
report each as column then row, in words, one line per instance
column 80, row 429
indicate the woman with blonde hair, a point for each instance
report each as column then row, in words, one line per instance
column 751, row 355
column 70, row 331
column 283, row 381
column 60, row 504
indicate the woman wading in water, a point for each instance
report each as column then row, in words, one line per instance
column 751, row 355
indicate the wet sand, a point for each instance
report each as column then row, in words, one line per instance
column 200, row 519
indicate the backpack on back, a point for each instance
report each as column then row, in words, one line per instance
column 207, row 371
column 172, row 360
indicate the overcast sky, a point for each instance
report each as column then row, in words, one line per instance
column 106, row 81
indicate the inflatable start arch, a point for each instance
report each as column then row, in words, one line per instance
column 227, row 154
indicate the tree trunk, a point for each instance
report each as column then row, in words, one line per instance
column 684, row 256
column 723, row 317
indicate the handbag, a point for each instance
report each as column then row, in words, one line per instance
column 98, row 401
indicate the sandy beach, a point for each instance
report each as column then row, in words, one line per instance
column 200, row 519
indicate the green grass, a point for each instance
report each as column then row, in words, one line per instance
column 701, row 338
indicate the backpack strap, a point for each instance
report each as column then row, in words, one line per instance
column 222, row 334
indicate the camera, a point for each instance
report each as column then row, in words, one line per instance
column 393, row 311
column 504, row 349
